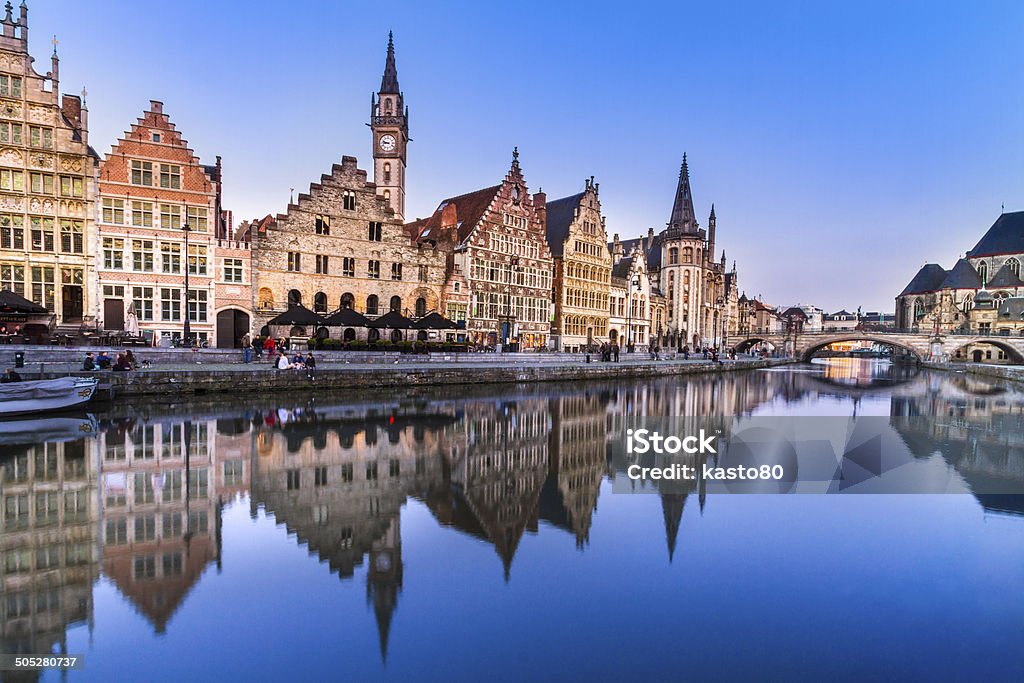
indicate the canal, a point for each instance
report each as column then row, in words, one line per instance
column 479, row 533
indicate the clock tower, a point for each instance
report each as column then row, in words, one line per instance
column 389, row 121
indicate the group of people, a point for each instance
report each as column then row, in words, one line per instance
column 124, row 362
column 297, row 362
column 15, row 331
column 609, row 352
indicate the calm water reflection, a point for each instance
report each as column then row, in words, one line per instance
column 472, row 533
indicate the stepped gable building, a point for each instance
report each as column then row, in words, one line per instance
column 577, row 239
column 46, row 183
column 682, row 264
column 342, row 245
column 941, row 300
column 500, row 257
column 154, row 194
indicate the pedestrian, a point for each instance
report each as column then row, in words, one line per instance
column 246, row 348
column 615, row 352
column 686, row 352
column 311, row 367
column 10, row 376
column 89, row 364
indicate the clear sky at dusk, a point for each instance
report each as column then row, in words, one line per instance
column 843, row 144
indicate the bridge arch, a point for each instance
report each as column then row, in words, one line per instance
column 961, row 353
column 751, row 342
column 815, row 345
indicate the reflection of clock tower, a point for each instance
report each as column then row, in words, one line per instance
column 384, row 580
column 389, row 120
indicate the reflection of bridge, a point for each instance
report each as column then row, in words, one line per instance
column 919, row 344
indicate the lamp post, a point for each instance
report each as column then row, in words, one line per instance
column 187, row 331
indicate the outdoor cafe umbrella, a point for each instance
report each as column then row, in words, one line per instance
column 435, row 321
column 392, row 320
column 296, row 315
column 12, row 303
column 131, row 325
column 346, row 317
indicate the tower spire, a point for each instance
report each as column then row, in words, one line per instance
column 683, row 217
column 389, row 83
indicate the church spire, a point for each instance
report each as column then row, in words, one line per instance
column 389, row 83
column 683, row 217
column 672, row 505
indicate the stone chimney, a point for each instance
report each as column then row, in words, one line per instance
column 540, row 207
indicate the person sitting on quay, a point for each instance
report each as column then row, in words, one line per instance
column 298, row 361
column 10, row 376
column 133, row 363
column 311, row 367
column 269, row 347
column 282, row 361
column 89, row 364
column 122, row 364
column 103, row 361
column 257, row 348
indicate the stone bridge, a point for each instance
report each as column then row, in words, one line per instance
column 921, row 345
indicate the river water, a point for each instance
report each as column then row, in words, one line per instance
column 472, row 533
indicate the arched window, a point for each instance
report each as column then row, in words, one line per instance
column 372, row 304
column 396, row 335
column 266, row 298
column 968, row 303
column 688, row 255
column 349, row 334
column 373, row 334
column 320, row 302
column 983, row 272
column 421, row 307
column 918, row 309
column 297, row 331
column 396, row 303
column 1014, row 266
column 673, row 256
column 347, row 300
column 294, row 298
column 387, row 195
column 387, row 105
column 387, row 173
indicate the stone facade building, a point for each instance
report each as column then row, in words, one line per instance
column 682, row 264
column 154, row 194
column 582, row 278
column 47, row 170
column 342, row 244
column 496, row 237
column 941, row 301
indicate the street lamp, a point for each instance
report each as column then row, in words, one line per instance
column 187, row 330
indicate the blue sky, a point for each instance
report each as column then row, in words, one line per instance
column 843, row 144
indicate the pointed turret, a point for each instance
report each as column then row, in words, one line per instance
column 672, row 505
column 683, row 218
column 389, row 83
column 711, row 234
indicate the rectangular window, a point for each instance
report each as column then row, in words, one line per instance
column 170, row 176
column 349, row 200
column 396, row 271
column 41, row 183
column 12, row 232
column 320, row 476
column 170, row 257
column 196, row 218
column 145, row 567
column 375, row 231
column 322, row 264
column 423, row 273
column 12, row 278
column 142, row 256
column 142, row 173
column 72, row 236
column 323, row 224
column 373, row 270
column 170, row 216
column 113, row 211
column 197, row 300
column 10, row 133
column 71, row 186
column 10, row 86
column 348, row 266
column 42, row 234
column 394, row 468
column 40, row 137
column 12, row 180
column 347, row 472
column 142, row 214
column 197, row 259
column 233, row 472
column 294, row 261
column 371, row 471
column 232, row 270
column 142, row 299
column 113, row 253
column 293, row 479
column 42, row 286
column 170, row 304
column 117, row 531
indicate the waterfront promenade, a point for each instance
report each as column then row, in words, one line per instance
column 174, row 371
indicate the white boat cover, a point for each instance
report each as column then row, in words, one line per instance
column 38, row 389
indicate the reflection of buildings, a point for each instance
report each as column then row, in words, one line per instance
column 48, row 543
column 161, row 509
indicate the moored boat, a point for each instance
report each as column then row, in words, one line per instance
column 45, row 395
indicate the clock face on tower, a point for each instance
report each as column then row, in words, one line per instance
column 387, row 143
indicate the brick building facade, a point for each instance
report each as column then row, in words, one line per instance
column 47, row 238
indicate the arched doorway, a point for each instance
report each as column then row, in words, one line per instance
column 396, row 304
column 232, row 325
column 978, row 355
column 347, row 300
column 372, row 305
column 294, row 298
column 613, row 336
column 322, row 333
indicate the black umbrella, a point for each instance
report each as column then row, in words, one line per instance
column 346, row 317
column 12, row 303
column 296, row 315
column 435, row 321
column 392, row 320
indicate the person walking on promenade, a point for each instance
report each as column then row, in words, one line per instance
column 311, row 367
